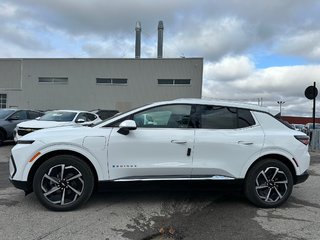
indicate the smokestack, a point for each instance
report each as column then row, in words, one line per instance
column 160, row 39
column 138, row 40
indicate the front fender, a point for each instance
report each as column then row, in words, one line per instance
column 100, row 166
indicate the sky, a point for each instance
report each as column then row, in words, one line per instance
column 254, row 51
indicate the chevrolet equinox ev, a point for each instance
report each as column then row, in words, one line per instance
column 179, row 140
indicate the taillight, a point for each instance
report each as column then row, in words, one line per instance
column 304, row 139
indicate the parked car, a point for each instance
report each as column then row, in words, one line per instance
column 179, row 140
column 9, row 118
column 105, row 114
column 57, row 118
column 309, row 126
column 298, row 127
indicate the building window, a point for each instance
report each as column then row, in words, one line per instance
column 112, row 81
column 3, row 100
column 53, row 80
column 174, row 81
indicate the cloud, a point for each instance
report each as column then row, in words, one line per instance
column 305, row 44
column 229, row 68
column 213, row 38
column 271, row 84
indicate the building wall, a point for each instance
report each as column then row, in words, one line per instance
column 299, row 120
column 20, row 82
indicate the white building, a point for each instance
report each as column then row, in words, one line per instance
column 97, row 83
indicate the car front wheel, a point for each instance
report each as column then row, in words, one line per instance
column 268, row 183
column 63, row 183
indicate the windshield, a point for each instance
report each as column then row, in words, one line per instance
column 58, row 116
column 5, row 113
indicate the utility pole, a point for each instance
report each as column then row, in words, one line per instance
column 281, row 103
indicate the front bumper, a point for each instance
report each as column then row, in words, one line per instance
column 302, row 178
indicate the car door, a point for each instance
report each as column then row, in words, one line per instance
column 226, row 138
column 160, row 147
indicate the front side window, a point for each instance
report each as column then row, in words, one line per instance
column 20, row 115
column 170, row 116
column 90, row 117
column 219, row 117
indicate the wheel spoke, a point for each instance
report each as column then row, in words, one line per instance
column 75, row 190
column 261, row 187
column 267, row 197
column 281, row 182
column 74, row 177
column 50, row 178
column 63, row 196
column 275, row 173
column 62, row 170
column 264, row 175
column 54, row 189
column 280, row 196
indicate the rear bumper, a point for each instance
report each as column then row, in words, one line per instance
column 302, row 178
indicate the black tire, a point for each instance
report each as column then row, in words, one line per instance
column 69, row 179
column 268, row 183
column 2, row 138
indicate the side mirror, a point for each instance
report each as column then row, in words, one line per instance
column 126, row 126
column 80, row 121
column 13, row 118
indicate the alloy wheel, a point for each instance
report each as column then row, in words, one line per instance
column 271, row 184
column 62, row 184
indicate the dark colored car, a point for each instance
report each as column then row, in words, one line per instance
column 105, row 114
column 9, row 118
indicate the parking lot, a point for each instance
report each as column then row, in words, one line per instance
column 167, row 214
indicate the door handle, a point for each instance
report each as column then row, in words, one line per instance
column 245, row 143
column 179, row 141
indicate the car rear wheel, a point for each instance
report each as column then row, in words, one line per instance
column 268, row 183
column 63, row 183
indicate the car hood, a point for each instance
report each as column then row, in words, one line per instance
column 69, row 134
column 44, row 124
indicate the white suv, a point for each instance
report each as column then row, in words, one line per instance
column 184, row 139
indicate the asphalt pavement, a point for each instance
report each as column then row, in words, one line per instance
column 168, row 214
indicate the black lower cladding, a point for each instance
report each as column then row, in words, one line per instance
column 170, row 185
column 21, row 185
column 302, row 178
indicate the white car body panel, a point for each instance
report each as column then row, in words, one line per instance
column 224, row 152
column 150, row 152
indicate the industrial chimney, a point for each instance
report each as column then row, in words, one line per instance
column 160, row 39
column 138, row 39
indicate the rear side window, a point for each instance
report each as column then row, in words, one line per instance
column 219, row 117
column 245, row 118
column 33, row 115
